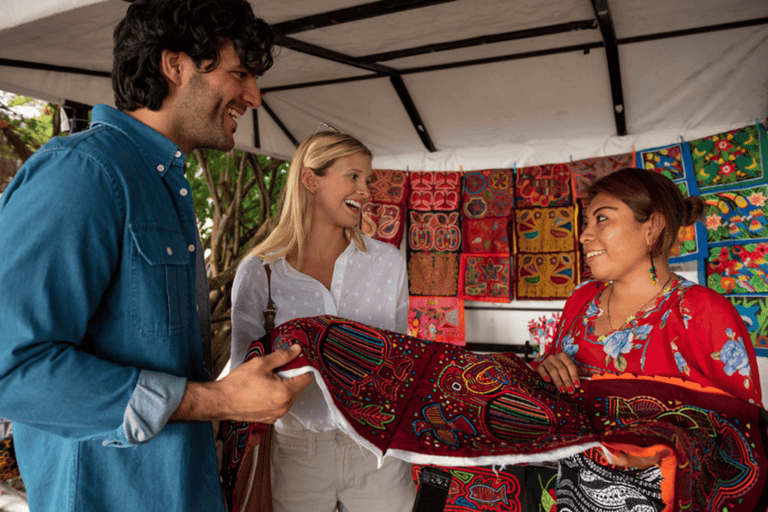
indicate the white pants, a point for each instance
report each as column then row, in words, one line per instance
column 314, row 471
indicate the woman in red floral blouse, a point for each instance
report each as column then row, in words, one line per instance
column 639, row 317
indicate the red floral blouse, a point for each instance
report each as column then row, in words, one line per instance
column 689, row 332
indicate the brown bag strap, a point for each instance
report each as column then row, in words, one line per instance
column 270, row 311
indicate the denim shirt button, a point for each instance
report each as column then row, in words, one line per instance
column 191, row 247
column 170, row 252
column 183, row 192
column 178, row 154
column 160, row 168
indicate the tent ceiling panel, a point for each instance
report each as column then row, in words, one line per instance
column 458, row 20
column 722, row 77
column 370, row 110
column 633, row 18
column 507, row 48
column 52, row 40
column 84, row 89
column 293, row 67
column 19, row 13
column 517, row 102
column 532, row 90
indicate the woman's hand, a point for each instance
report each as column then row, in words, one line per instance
column 561, row 371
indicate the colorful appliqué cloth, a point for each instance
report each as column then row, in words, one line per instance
column 511, row 489
column 484, row 277
column 436, row 403
column 488, row 193
column 753, row 310
column 588, row 170
column 545, row 276
column 544, row 185
column 437, row 319
column 438, row 190
column 545, row 229
column 740, row 214
column 388, row 186
column 673, row 161
column 486, row 236
column 738, row 268
column 433, row 273
column 732, row 158
column 384, row 222
column 434, row 231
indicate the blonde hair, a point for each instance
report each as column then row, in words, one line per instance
column 318, row 153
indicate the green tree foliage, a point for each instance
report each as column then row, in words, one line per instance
column 25, row 125
column 236, row 195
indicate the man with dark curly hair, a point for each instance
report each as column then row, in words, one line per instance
column 103, row 309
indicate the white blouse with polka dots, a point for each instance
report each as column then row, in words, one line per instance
column 368, row 287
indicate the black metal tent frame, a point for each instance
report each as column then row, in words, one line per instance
column 603, row 21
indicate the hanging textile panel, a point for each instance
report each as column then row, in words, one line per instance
column 591, row 169
column 754, row 311
column 731, row 158
column 385, row 222
column 488, row 193
column 434, row 191
column 545, row 229
column 486, row 236
column 484, row 277
column 436, row 403
column 437, row 319
column 434, row 231
column 672, row 161
column 737, row 215
column 738, row 269
column 433, row 273
column 388, row 186
column 545, row 276
column 544, row 185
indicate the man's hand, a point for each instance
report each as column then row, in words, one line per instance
column 252, row 392
column 561, row 371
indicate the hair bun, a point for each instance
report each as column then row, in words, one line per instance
column 694, row 206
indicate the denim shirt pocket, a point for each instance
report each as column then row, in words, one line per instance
column 159, row 280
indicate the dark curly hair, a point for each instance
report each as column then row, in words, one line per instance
column 198, row 28
column 646, row 192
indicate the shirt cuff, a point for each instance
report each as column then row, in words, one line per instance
column 155, row 398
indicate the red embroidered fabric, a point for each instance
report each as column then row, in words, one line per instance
column 437, row 319
column 433, row 273
column 484, row 277
column 434, row 191
column 544, row 185
column 486, row 236
column 590, row 169
column 488, row 193
column 388, row 186
column 385, row 222
column 434, row 231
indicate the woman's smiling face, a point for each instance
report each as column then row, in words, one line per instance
column 614, row 243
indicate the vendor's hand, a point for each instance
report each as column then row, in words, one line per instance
column 560, row 370
column 251, row 392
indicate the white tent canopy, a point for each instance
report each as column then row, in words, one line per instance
column 444, row 84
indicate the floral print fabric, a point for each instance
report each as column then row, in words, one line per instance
column 690, row 332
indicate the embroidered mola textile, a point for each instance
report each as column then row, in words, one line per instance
column 436, row 403
column 383, row 222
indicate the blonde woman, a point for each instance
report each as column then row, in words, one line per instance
column 320, row 263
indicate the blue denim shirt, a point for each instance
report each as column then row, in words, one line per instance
column 98, row 326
